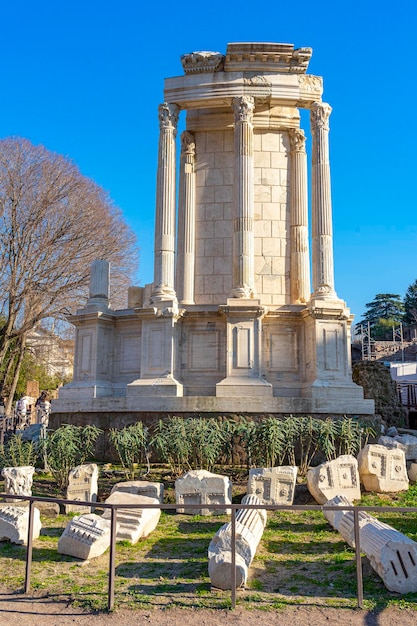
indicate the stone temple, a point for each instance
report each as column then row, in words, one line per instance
column 242, row 316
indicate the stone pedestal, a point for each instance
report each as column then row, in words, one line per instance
column 335, row 478
column 382, row 470
column 83, row 486
column 273, row 485
column 205, row 488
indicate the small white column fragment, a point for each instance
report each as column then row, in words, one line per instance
column 250, row 524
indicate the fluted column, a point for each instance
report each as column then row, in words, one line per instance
column 186, row 221
column 243, row 238
column 323, row 270
column 300, row 263
column 165, row 205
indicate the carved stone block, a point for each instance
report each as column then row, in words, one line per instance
column 273, row 485
column 85, row 537
column 142, row 488
column 83, row 486
column 18, row 480
column 136, row 522
column 382, row 469
column 333, row 478
column 14, row 521
column 202, row 487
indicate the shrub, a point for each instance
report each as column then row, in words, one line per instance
column 18, row 453
column 131, row 446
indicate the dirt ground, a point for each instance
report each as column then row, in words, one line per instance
column 21, row 610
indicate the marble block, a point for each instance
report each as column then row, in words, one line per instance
column 333, row 478
column 273, row 485
column 85, row 536
column 135, row 523
column 83, row 486
column 142, row 488
column 250, row 524
column 382, row 469
column 203, row 487
column 407, row 443
column 18, row 480
column 14, row 521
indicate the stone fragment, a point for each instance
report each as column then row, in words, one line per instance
column 142, row 488
column 250, row 524
column 392, row 555
column 203, row 487
column 382, row 470
column 332, row 478
column 14, row 521
column 83, row 486
column 412, row 472
column 407, row 443
column 273, row 485
column 18, row 480
column 135, row 523
column 85, row 536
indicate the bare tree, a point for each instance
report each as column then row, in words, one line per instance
column 53, row 223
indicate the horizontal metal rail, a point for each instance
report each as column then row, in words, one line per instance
column 171, row 507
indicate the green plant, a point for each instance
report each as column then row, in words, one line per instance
column 67, row 447
column 172, row 444
column 131, row 446
column 18, row 453
column 207, row 439
column 327, row 438
column 270, row 441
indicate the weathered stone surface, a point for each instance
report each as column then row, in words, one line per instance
column 142, row 488
column 18, row 480
column 412, row 472
column 203, row 487
column 250, row 524
column 83, row 486
column 382, row 469
column 273, row 485
column 14, row 522
column 136, row 522
column 405, row 442
column 392, row 555
column 332, row 478
column 85, row 536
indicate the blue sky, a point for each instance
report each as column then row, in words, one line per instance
column 85, row 78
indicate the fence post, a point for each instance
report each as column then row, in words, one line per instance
column 110, row 599
column 233, row 578
column 29, row 546
column 358, row 559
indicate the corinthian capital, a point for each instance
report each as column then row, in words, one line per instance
column 168, row 115
column 319, row 115
column 243, row 107
column 187, row 142
column 297, row 140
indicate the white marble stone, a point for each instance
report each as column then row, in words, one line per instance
column 85, row 536
column 407, row 443
column 18, row 480
column 141, row 488
column 273, row 485
column 83, row 486
column 332, row 478
column 383, row 469
column 250, row 524
column 14, row 521
column 205, row 488
column 392, row 555
column 133, row 523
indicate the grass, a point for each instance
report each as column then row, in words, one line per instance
column 300, row 559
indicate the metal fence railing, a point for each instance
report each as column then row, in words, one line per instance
column 233, row 508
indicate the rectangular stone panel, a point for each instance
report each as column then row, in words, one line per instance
column 203, row 350
column 283, row 351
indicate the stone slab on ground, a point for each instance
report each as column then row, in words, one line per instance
column 205, row 488
column 85, row 537
column 273, row 485
column 332, row 478
column 382, row 469
column 133, row 523
column 14, row 521
column 83, row 486
column 142, row 488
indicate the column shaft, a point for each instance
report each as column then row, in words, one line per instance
column 186, row 221
column 323, row 270
column 165, row 205
column 243, row 237
column 300, row 262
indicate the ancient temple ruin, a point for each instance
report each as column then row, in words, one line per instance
column 231, row 323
